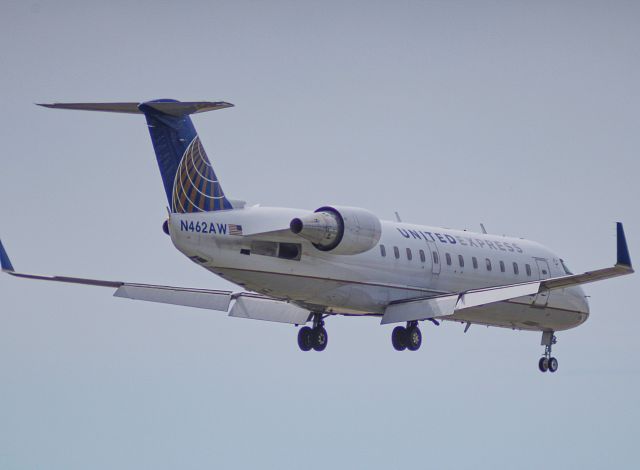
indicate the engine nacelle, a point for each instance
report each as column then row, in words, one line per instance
column 340, row 230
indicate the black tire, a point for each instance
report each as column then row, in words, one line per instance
column 553, row 364
column 413, row 338
column 319, row 339
column 399, row 338
column 304, row 338
column 543, row 364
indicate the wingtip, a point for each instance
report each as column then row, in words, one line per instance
column 624, row 259
column 5, row 262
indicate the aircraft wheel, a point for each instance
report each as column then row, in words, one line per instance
column 543, row 364
column 553, row 364
column 413, row 338
column 399, row 338
column 319, row 338
column 304, row 338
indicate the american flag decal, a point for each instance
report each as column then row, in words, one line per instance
column 235, row 229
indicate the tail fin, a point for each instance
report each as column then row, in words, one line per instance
column 189, row 180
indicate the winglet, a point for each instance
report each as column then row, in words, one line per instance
column 5, row 262
column 624, row 259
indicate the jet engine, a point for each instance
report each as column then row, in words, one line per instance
column 339, row 230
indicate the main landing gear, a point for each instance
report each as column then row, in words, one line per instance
column 546, row 362
column 408, row 337
column 315, row 338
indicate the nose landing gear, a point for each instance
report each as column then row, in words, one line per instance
column 315, row 338
column 407, row 338
column 546, row 362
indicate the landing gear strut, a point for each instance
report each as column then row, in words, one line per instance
column 407, row 338
column 546, row 362
column 315, row 338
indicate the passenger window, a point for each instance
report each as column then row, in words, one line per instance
column 488, row 261
column 409, row 254
column 528, row 268
column 501, row 266
column 435, row 258
column 475, row 262
column 516, row 271
column 383, row 251
column 461, row 261
column 448, row 258
column 422, row 257
column 396, row 252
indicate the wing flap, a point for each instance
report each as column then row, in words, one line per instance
column 447, row 304
column 247, row 305
column 207, row 299
column 474, row 298
column 262, row 308
column 420, row 309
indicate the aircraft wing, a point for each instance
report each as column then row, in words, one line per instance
column 447, row 304
column 245, row 304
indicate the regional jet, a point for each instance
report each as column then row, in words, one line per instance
column 304, row 266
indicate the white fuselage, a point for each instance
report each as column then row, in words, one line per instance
column 254, row 248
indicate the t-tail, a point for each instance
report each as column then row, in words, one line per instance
column 188, row 177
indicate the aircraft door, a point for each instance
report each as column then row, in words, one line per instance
column 543, row 271
column 435, row 257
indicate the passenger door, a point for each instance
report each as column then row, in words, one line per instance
column 544, row 273
column 435, row 257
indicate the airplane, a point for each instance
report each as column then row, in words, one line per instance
column 301, row 266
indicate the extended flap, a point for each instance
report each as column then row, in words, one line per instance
column 420, row 309
column 212, row 300
column 256, row 308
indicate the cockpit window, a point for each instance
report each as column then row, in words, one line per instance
column 566, row 269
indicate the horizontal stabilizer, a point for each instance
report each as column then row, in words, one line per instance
column 171, row 108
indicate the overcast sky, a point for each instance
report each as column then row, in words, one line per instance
column 521, row 115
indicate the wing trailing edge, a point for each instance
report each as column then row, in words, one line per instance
column 448, row 304
column 245, row 304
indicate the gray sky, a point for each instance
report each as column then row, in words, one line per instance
column 521, row 115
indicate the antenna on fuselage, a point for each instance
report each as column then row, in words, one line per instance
column 484, row 230
column 398, row 216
